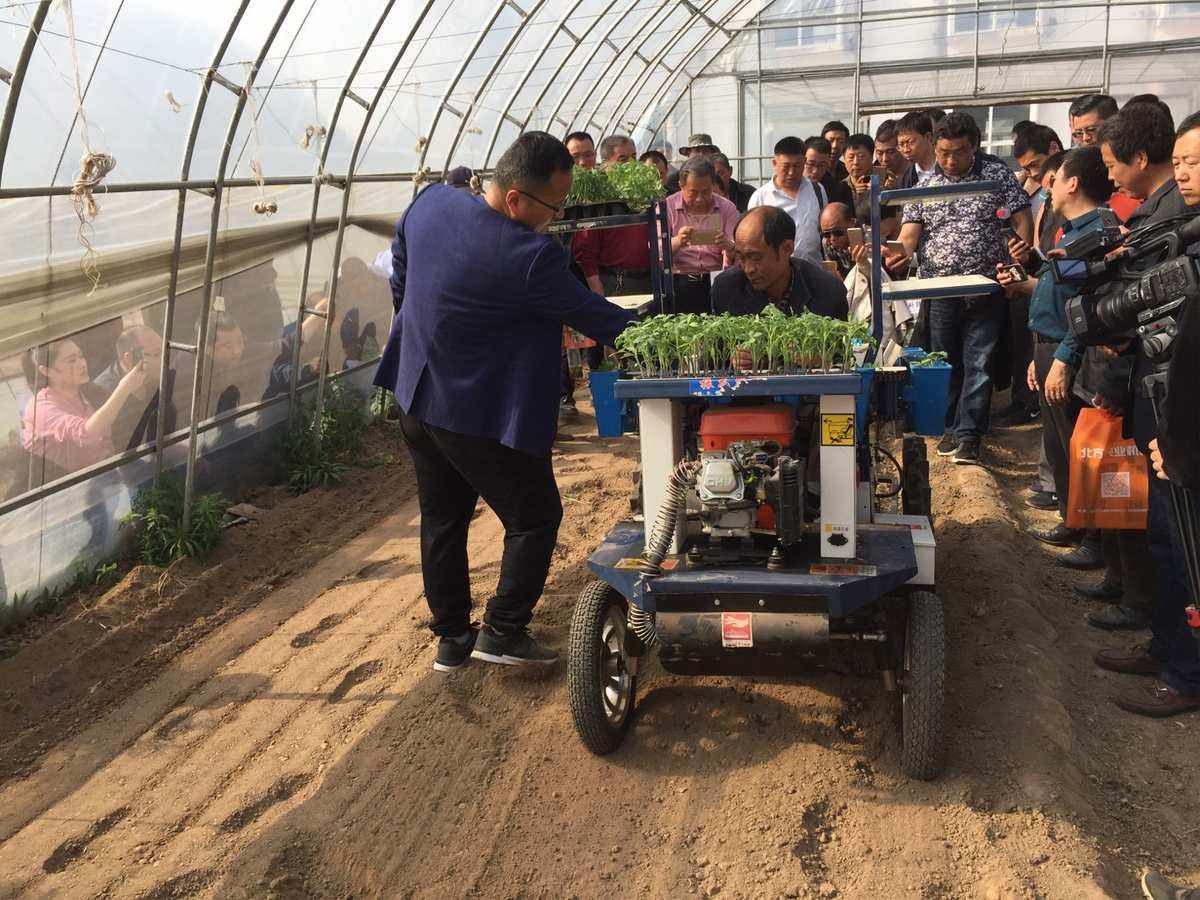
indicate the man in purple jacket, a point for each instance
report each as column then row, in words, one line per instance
column 473, row 358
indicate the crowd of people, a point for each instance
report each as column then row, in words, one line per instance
column 96, row 394
column 727, row 238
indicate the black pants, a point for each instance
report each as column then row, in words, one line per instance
column 1022, row 352
column 1058, row 423
column 693, row 295
column 453, row 472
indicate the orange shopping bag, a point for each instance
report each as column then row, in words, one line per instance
column 1108, row 475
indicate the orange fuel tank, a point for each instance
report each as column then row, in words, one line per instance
column 724, row 425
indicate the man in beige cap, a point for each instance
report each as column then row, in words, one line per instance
column 697, row 145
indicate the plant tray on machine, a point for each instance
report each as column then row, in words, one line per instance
column 597, row 210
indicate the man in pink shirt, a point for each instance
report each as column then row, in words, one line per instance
column 702, row 224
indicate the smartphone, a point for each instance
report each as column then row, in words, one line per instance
column 831, row 267
column 703, row 236
column 138, row 354
column 1015, row 271
column 881, row 171
column 894, row 246
column 856, row 237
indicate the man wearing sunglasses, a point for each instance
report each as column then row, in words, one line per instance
column 473, row 356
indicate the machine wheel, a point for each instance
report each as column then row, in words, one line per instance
column 917, row 499
column 601, row 688
column 923, row 688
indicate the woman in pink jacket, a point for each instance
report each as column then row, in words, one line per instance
column 66, row 426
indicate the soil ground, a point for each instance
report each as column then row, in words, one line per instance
column 268, row 725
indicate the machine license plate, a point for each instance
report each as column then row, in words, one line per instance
column 737, row 629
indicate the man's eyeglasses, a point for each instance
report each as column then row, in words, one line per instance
column 557, row 210
column 810, row 166
column 834, row 232
column 1087, row 131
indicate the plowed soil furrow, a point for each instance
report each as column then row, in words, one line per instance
column 296, row 744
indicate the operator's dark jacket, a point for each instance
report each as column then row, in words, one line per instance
column 1179, row 435
column 813, row 290
column 482, row 300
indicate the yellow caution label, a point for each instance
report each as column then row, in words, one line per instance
column 837, row 430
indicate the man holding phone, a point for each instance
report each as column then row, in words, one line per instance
column 1079, row 189
column 701, row 223
column 963, row 236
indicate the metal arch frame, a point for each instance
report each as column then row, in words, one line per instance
column 667, row 7
column 331, row 310
column 173, row 278
column 653, row 62
column 698, row 13
column 621, row 17
column 526, row 20
column 667, row 85
column 302, row 308
column 444, row 103
column 558, row 69
column 560, row 28
column 18, row 79
column 210, row 258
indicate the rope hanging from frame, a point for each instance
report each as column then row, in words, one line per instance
column 264, row 205
column 93, row 166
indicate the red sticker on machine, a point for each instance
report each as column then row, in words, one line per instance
column 737, row 629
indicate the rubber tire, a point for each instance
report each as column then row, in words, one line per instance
column 583, row 670
column 923, row 747
column 916, row 496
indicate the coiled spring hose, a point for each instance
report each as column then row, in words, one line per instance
column 658, row 544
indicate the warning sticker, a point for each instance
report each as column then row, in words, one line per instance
column 737, row 629
column 1115, row 485
column 837, row 430
column 841, row 569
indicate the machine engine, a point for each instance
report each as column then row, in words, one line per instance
column 749, row 479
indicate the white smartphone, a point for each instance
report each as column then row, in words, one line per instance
column 856, row 237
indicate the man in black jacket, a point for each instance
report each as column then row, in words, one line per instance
column 1137, row 146
column 739, row 193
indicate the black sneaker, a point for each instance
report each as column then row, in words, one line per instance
column 512, row 650
column 948, row 445
column 1042, row 500
column 455, row 652
column 967, row 453
column 1119, row 617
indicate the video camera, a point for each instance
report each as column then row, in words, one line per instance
column 1160, row 277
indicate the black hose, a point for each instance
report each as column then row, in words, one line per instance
column 658, row 540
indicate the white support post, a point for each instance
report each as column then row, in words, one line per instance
column 839, row 487
column 661, row 425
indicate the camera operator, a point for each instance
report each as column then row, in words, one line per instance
column 1138, row 145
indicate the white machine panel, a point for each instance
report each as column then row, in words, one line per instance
column 661, row 431
column 839, row 482
column 923, row 542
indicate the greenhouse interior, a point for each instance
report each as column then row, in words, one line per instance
column 336, row 120
column 212, row 189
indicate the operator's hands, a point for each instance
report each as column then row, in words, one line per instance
column 1020, row 251
column 1058, row 383
column 1031, row 378
column 1156, row 460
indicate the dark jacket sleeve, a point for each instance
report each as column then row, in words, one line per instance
column 554, row 292
column 399, row 265
column 1181, row 415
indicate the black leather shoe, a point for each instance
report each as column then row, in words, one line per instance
column 1084, row 557
column 1119, row 617
column 1101, row 590
column 1058, row 536
column 1042, row 500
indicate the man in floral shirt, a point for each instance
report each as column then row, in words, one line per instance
column 964, row 236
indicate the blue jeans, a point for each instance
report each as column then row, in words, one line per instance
column 1172, row 642
column 967, row 330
